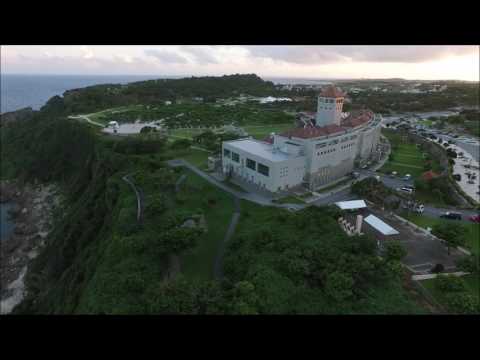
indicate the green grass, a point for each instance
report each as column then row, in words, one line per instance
column 262, row 131
column 198, row 158
column 289, row 200
column 256, row 131
column 472, row 235
column 198, row 263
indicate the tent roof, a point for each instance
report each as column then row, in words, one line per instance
column 354, row 204
column 379, row 225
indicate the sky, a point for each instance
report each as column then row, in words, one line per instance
column 322, row 62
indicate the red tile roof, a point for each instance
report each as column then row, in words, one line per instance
column 357, row 119
column 313, row 131
column 331, row 92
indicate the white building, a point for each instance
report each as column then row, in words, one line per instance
column 312, row 156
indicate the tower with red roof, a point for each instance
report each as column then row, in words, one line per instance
column 330, row 104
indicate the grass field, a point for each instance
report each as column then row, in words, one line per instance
column 256, row 131
column 407, row 159
column 199, row 262
column 473, row 229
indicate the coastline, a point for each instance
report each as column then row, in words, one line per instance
column 32, row 218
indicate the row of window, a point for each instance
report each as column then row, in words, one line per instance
column 329, row 100
column 284, row 171
column 334, row 142
column 326, row 152
column 347, row 146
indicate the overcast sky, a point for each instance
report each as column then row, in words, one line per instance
column 409, row 62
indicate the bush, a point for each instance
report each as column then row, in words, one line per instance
column 468, row 264
column 395, row 251
column 450, row 283
column 462, row 303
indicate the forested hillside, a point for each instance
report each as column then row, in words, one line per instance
column 155, row 92
column 99, row 260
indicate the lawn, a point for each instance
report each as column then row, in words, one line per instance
column 196, row 157
column 256, row 131
column 217, row 207
column 289, row 200
column 407, row 159
column 262, row 131
column 473, row 230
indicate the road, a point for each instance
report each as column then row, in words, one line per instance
column 87, row 119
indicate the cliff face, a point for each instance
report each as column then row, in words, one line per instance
column 18, row 115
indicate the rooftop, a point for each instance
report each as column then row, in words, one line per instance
column 332, row 92
column 380, row 225
column 259, row 148
column 351, row 205
column 313, row 131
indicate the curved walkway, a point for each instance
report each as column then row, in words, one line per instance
column 218, row 266
column 138, row 194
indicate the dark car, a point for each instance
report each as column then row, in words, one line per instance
column 451, row 215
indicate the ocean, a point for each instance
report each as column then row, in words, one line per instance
column 20, row 91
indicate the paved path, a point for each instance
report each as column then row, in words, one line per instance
column 218, row 266
column 138, row 194
column 87, row 119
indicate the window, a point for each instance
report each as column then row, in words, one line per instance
column 334, row 142
column 226, row 153
column 251, row 164
column 262, row 169
column 345, row 139
column 235, row 157
column 353, row 137
column 320, row 145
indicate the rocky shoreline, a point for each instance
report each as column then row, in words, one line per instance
column 32, row 217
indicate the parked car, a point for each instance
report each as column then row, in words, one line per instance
column 475, row 218
column 457, row 177
column 406, row 189
column 451, row 215
column 407, row 177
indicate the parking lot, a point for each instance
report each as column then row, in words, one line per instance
column 423, row 251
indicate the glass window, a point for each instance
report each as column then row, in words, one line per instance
column 226, row 153
column 235, row 157
column 262, row 169
column 251, row 164
column 321, row 145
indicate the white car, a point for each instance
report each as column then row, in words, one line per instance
column 406, row 189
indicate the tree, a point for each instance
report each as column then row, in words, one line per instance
column 449, row 283
column 395, row 251
column 453, row 234
column 462, row 303
column 339, row 286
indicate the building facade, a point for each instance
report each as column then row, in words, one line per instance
column 311, row 156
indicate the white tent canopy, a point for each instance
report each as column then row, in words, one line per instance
column 350, row 205
column 379, row 225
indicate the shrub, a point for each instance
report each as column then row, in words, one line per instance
column 468, row 264
column 450, row 283
column 395, row 251
column 462, row 303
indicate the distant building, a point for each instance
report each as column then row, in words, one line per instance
column 312, row 155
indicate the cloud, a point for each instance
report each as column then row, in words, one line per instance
column 319, row 55
column 166, row 56
column 201, row 55
column 87, row 52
